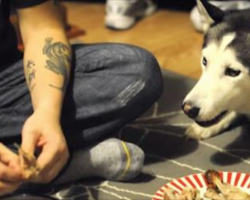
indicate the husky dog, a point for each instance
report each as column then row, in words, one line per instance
column 223, row 89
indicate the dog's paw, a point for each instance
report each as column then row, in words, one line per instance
column 197, row 132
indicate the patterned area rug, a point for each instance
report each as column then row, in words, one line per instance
column 169, row 155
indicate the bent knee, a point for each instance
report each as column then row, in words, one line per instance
column 149, row 72
column 145, row 77
column 137, row 64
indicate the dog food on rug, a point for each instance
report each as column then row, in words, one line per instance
column 216, row 190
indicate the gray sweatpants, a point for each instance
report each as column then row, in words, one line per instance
column 110, row 85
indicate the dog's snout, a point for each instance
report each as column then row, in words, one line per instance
column 190, row 110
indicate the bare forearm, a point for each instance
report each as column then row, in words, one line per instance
column 47, row 67
column 47, row 55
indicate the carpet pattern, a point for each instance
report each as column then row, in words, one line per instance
column 169, row 155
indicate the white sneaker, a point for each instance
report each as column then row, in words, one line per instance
column 123, row 14
column 197, row 21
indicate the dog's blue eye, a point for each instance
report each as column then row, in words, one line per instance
column 232, row 72
column 204, row 61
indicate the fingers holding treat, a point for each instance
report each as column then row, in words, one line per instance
column 29, row 165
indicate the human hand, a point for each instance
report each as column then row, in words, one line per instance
column 10, row 171
column 42, row 131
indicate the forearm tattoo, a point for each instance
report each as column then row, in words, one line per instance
column 58, row 60
column 31, row 74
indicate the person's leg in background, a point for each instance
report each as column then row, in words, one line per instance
column 197, row 20
column 123, row 14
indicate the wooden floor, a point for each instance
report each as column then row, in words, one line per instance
column 169, row 35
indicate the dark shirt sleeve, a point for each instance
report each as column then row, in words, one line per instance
column 27, row 3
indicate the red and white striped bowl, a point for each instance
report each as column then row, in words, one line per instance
column 241, row 180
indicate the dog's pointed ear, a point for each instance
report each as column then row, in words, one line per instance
column 209, row 13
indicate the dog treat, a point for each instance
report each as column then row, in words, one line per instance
column 216, row 190
column 28, row 164
column 227, row 191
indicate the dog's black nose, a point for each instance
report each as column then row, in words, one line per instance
column 190, row 111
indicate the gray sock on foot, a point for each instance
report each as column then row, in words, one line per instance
column 111, row 159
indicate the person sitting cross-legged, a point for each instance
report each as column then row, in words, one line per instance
column 62, row 103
